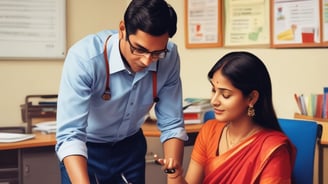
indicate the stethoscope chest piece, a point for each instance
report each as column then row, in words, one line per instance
column 107, row 95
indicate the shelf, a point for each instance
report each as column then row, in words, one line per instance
column 300, row 116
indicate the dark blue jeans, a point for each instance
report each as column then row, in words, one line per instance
column 108, row 161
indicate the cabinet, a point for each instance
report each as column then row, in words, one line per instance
column 29, row 166
column 9, row 167
column 40, row 165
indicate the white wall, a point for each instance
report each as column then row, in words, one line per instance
column 292, row 70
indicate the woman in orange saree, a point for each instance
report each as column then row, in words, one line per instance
column 264, row 157
column 244, row 144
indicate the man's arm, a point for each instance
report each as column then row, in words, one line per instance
column 173, row 154
column 76, row 167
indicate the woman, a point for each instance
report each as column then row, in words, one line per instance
column 244, row 144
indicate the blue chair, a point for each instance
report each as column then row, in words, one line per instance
column 208, row 115
column 304, row 135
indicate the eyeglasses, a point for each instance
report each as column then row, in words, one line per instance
column 159, row 54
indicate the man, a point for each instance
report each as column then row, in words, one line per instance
column 110, row 81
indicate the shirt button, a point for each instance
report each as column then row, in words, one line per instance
column 131, row 103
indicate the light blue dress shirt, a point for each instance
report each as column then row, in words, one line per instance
column 82, row 114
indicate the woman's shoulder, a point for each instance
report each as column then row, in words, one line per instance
column 212, row 126
column 213, row 123
column 274, row 139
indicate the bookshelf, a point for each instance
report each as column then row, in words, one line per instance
column 300, row 116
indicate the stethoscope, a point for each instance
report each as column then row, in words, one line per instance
column 107, row 93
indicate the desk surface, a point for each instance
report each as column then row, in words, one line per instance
column 41, row 139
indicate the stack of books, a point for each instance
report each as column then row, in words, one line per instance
column 194, row 110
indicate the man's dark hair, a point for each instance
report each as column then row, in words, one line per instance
column 155, row 17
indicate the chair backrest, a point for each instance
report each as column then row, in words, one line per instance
column 209, row 115
column 304, row 135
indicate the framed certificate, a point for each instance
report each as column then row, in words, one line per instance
column 203, row 23
column 295, row 23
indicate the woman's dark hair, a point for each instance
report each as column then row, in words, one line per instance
column 154, row 17
column 247, row 72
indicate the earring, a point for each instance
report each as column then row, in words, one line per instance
column 251, row 111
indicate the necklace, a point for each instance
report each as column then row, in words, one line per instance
column 230, row 143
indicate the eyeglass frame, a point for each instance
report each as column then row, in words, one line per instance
column 144, row 52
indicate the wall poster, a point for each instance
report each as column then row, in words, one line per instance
column 32, row 29
column 203, row 25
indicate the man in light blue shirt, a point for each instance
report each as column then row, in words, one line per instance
column 110, row 80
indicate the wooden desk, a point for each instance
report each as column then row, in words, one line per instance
column 25, row 160
column 150, row 129
column 41, row 139
column 30, row 161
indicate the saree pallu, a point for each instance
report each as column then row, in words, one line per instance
column 268, row 151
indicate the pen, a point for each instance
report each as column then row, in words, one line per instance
column 167, row 171
column 124, row 179
column 97, row 182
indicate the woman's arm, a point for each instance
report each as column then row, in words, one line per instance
column 195, row 173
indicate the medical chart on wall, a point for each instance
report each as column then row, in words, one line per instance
column 203, row 23
column 32, row 29
column 247, row 22
column 296, row 22
column 325, row 20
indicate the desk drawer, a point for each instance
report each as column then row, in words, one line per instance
column 9, row 167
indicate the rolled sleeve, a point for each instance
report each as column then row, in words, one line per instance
column 179, row 133
column 75, row 147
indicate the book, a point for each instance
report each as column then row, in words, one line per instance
column 195, row 109
column 319, row 106
column 325, row 106
column 14, row 137
column 195, row 103
column 311, row 105
column 325, row 103
column 298, row 103
column 303, row 100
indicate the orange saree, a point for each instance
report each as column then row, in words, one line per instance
column 265, row 157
